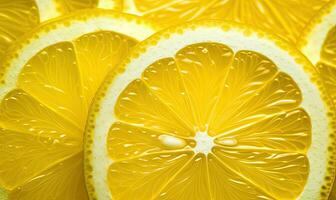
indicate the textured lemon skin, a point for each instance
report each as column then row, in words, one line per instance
column 152, row 41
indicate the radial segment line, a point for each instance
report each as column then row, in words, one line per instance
column 81, row 78
column 158, row 8
column 243, row 177
column 208, row 178
column 52, row 110
column 248, row 125
column 258, row 90
column 187, row 94
column 48, row 167
column 154, row 130
column 173, row 177
column 78, row 71
column 271, row 150
column 280, row 18
column 151, row 154
column 227, row 73
column 31, row 134
column 203, row 8
column 176, row 116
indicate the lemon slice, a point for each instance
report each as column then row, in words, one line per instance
column 20, row 16
column 318, row 43
column 47, row 83
column 209, row 110
column 285, row 18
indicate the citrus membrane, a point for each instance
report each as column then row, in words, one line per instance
column 48, row 80
column 318, row 43
column 284, row 18
column 21, row 16
column 210, row 105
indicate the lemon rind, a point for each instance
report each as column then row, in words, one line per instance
column 315, row 33
column 14, row 60
column 146, row 45
column 76, row 24
column 310, row 43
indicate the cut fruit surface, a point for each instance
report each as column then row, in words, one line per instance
column 47, row 85
column 318, row 43
column 284, row 18
column 20, row 16
column 209, row 110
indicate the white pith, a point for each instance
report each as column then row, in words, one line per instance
column 317, row 36
column 70, row 32
column 204, row 143
column 106, row 4
column 47, row 9
column 237, row 40
column 124, row 24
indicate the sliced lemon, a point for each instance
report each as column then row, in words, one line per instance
column 209, row 110
column 318, row 43
column 20, row 16
column 285, row 18
column 47, row 83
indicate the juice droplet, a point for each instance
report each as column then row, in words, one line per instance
column 228, row 142
column 172, row 142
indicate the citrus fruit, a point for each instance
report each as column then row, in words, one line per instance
column 318, row 43
column 20, row 16
column 210, row 110
column 48, row 80
column 285, row 18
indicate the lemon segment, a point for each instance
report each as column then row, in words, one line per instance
column 279, row 131
column 48, row 81
column 284, row 18
column 40, row 78
column 21, row 16
column 222, row 177
column 132, row 141
column 90, row 54
column 17, row 18
column 136, row 170
column 243, row 104
column 68, row 170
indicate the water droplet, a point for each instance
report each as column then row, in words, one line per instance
column 228, row 142
column 172, row 142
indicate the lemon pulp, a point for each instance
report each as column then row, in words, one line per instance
column 17, row 17
column 20, row 16
column 327, row 62
column 205, row 120
column 284, row 18
column 43, row 118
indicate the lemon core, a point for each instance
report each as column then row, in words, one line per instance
column 204, row 142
